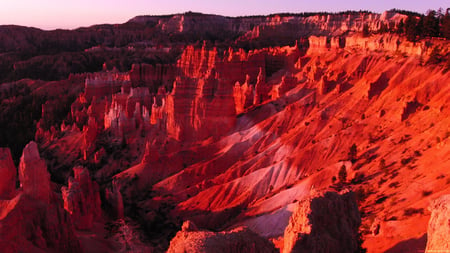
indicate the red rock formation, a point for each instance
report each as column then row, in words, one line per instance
column 325, row 223
column 91, row 131
column 34, row 220
column 191, row 239
column 325, row 85
column 106, row 83
column 114, row 198
column 33, row 175
column 288, row 81
column 243, row 95
column 152, row 76
column 30, row 225
column 82, row 199
column 128, row 112
column 201, row 103
column 8, row 174
column 439, row 225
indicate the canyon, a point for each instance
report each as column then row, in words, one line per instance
column 280, row 133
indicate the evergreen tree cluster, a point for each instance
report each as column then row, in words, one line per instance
column 433, row 24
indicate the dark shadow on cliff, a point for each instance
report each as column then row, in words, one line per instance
column 410, row 245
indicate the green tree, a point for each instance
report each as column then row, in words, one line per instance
column 431, row 24
column 352, row 153
column 445, row 27
column 342, row 175
column 365, row 30
column 410, row 28
column 400, row 27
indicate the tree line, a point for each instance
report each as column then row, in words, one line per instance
column 418, row 26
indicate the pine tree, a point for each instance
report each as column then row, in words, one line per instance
column 410, row 28
column 445, row 30
column 400, row 27
column 352, row 153
column 342, row 174
column 365, row 31
column 431, row 24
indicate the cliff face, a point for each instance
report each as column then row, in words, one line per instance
column 152, row 76
column 324, row 224
column 392, row 44
column 284, row 26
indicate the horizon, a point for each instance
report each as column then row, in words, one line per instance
column 51, row 14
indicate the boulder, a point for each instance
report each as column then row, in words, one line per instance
column 241, row 239
column 328, row 222
column 439, row 225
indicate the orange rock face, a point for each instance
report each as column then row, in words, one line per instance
column 8, row 174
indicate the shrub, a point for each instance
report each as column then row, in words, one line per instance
column 426, row 193
column 394, row 185
column 342, row 175
column 382, row 166
column 412, row 211
column 352, row 153
column 405, row 161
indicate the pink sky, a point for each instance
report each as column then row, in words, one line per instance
column 51, row 14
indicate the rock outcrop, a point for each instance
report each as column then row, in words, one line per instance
column 33, row 175
column 114, row 198
column 33, row 220
column 439, row 225
column 82, row 199
column 8, row 174
column 325, row 223
column 191, row 239
column 106, row 83
column 201, row 103
column 30, row 225
column 152, row 76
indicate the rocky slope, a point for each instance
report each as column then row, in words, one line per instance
column 227, row 138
